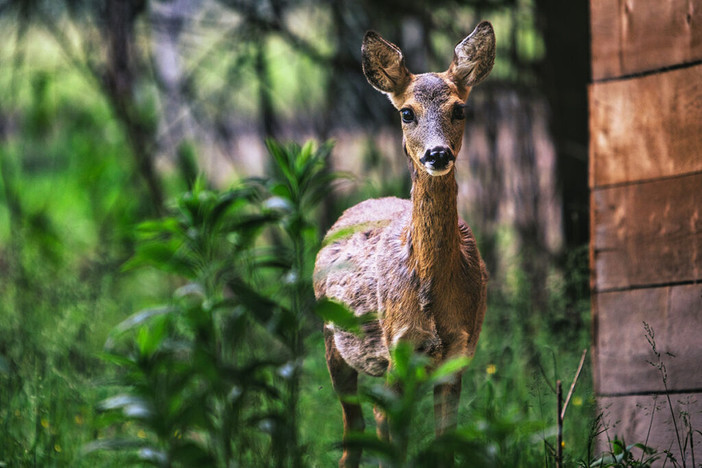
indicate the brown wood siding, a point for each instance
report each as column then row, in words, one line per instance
column 647, row 234
column 624, row 355
column 646, row 128
column 634, row 36
column 645, row 179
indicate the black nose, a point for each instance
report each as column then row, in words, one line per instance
column 437, row 158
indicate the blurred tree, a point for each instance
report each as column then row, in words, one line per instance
column 117, row 67
column 120, row 79
column 563, row 79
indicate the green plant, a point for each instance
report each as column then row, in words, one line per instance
column 622, row 455
column 187, row 384
column 490, row 435
column 213, row 378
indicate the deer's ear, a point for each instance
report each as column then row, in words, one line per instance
column 384, row 65
column 474, row 56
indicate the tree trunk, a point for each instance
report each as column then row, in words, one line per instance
column 120, row 81
column 564, row 78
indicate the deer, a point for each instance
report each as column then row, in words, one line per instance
column 412, row 264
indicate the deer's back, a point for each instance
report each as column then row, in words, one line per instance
column 345, row 268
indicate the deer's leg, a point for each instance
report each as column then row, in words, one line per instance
column 381, row 424
column 345, row 383
column 446, row 398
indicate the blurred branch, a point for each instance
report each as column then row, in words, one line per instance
column 256, row 20
column 79, row 59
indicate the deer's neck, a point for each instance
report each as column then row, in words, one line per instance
column 433, row 230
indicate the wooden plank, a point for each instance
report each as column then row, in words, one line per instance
column 647, row 234
column 631, row 417
column 646, row 128
column 634, row 36
column 606, row 35
column 624, row 355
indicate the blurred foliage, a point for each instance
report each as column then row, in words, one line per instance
column 102, row 156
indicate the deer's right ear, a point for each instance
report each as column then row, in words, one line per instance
column 474, row 56
column 384, row 65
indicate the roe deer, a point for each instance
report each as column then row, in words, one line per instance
column 413, row 262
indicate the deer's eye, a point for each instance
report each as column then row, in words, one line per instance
column 459, row 112
column 407, row 115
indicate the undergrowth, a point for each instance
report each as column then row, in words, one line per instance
column 227, row 369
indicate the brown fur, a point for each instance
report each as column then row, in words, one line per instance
column 414, row 262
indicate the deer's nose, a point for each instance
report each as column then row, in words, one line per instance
column 437, row 158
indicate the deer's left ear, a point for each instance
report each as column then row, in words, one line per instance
column 384, row 64
column 474, row 56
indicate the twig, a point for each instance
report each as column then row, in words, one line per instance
column 562, row 409
column 572, row 385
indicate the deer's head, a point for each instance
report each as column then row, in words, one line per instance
column 431, row 105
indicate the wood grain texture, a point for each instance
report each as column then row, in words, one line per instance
column 623, row 353
column 647, row 234
column 631, row 416
column 646, row 128
column 634, row 36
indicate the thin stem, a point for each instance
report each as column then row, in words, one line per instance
column 572, row 385
column 675, row 424
column 650, row 426
column 559, row 437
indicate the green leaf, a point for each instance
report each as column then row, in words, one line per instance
column 606, row 460
column 348, row 231
column 230, row 201
column 448, row 369
column 118, row 359
column 132, row 406
column 112, row 443
column 281, row 190
column 401, row 359
column 335, row 312
column 646, row 449
column 154, row 456
column 149, row 339
column 141, row 318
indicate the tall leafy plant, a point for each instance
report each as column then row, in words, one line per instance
column 213, row 377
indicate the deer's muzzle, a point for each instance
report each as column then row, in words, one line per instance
column 438, row 160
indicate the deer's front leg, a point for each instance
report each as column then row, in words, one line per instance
column 446, row 398
column 345, row 383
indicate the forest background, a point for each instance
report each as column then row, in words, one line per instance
column 157, row 227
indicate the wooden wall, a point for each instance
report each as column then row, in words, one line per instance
column 645, row 105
